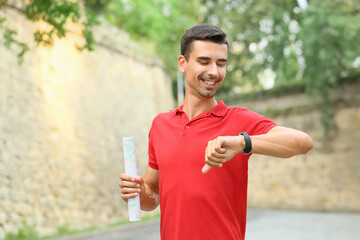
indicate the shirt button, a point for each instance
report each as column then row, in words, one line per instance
column 187, row 126
column 184, row 116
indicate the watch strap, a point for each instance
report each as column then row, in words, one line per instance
column 248, row 145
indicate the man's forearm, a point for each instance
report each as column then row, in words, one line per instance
column 282, row 142
column 149, row 200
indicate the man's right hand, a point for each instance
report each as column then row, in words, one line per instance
column 130, row 187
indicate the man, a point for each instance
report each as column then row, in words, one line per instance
column 198, row 153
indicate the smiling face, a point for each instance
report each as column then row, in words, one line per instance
column 205, row 68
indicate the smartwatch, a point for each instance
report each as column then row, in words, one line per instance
column 248, row 146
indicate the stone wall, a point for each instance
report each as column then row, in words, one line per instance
column 328, row 178
column 63, row 114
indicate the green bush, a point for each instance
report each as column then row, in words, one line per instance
column 26, row 232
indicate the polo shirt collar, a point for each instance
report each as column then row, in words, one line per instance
column 219, row 110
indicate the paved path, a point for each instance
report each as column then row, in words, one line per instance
column 262, row 224
column 149, row 230
column 290, row 225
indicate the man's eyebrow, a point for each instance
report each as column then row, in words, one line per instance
column 208, row 58
column 222, row 59
column 203, row 58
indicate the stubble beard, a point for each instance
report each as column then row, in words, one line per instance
column 204, row 91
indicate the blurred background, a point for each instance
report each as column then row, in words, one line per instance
column 77, row 76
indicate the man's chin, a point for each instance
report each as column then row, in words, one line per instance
column 208, row 94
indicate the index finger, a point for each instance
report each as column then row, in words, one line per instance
column 125, row 177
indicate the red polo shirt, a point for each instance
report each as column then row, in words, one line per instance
column 195, row 205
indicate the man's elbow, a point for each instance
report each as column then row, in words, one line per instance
column 306, row 144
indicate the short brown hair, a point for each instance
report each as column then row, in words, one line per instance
column 201, row 32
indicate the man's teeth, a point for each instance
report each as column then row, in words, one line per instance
column 210, row 83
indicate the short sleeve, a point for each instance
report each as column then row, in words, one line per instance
column 254, row 123
column 151, row 151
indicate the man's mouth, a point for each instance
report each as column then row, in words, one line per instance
column 209, row 82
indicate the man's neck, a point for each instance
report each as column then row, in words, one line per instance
column 194, row 105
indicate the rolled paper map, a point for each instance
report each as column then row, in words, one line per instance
column 131, row 170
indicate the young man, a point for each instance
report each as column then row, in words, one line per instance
column 198, row 153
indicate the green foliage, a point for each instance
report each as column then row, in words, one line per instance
column 96, row 6
column 314, row 45
column 9, row 38
column 29, row 232
column 91, row 20
column 330, row 35
column 64, row 229
column 26, row 232
column 161, row 21
column 280, row 90
column 56, row 13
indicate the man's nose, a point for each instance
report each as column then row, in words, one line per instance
column 213, row 70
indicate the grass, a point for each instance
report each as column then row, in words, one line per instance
column 145, row 218
column 28, row 231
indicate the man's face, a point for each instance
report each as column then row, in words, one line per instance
column 205, row 68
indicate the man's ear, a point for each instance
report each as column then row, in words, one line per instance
column 182, row 63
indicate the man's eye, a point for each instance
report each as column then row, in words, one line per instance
column 203, row 63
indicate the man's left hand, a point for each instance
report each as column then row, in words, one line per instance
column 221, row 150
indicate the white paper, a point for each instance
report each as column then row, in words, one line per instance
column 131, row 170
